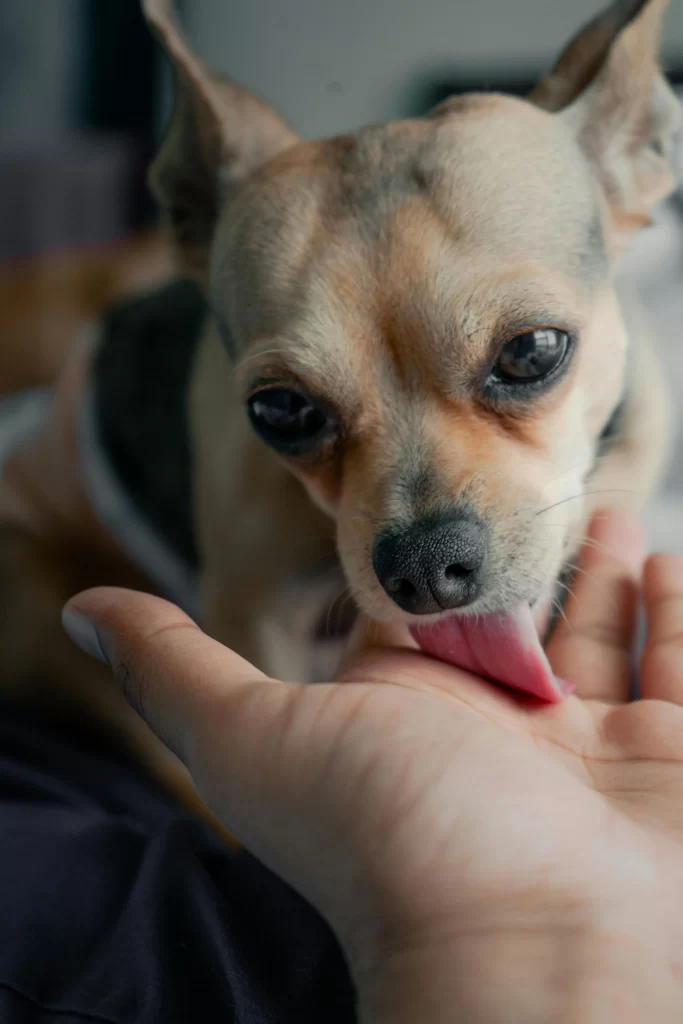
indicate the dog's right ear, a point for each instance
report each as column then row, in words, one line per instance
column 219, row 134
column 608, row 86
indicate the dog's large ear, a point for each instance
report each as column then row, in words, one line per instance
column 219, row 134
column 609, row 87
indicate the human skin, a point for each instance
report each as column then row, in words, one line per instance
column 480, row 856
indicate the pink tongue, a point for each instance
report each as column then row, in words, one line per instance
column 504, row 648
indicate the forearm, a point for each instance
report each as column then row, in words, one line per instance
column 578, row 979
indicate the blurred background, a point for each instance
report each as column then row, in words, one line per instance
column 84, row 94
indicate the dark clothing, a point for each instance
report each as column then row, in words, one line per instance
column 118, row 906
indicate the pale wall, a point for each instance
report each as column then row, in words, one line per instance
column 331, row 66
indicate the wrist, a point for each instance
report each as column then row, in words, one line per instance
column 568, row 976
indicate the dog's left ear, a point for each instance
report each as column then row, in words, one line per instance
column 609, row 87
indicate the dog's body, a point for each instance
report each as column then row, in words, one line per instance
column 421, row 321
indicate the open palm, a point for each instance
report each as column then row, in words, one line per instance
column 412, row 799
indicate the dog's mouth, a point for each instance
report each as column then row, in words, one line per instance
column 504, row 647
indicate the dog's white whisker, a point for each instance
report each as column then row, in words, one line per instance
column 590, row 542
column 558, row 606
column 584, row 494
column 573, row 567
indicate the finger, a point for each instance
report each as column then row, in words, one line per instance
column 169, row 671
column 592, row 647
column 662, row 663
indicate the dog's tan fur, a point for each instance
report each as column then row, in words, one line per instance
column 381, row 271
column 377, row 271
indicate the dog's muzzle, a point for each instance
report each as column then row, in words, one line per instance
column 435, row 564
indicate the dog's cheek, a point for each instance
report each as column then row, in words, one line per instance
column 356, row 531
column 602, row 363
column 561, row 516
column 322, row 482
column 545, row 499
column 338, row 485
column 525, row 557
column 355, row 536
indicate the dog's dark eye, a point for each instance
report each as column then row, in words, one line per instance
column 532, row 356
column 288, row 420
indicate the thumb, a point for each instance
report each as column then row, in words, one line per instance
column 267, row 757
column 171, row 673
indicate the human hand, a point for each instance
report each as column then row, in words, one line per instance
column 480, row 856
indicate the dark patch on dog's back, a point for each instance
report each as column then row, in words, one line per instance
column 142, row 372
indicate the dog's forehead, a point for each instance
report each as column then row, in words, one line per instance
column 440, row 206
column 504, row 173
column 494, row 167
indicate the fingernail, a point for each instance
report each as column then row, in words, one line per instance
column 83, row 634
column 565, row 687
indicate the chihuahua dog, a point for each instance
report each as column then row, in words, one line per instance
column 402, row 368
column 417, row 346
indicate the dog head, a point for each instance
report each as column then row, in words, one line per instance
column 422, row 313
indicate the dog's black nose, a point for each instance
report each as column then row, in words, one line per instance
column 434, row 564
